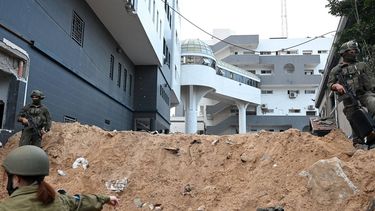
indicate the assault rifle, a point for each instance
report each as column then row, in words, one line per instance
column 360, row 120
column 36, row 131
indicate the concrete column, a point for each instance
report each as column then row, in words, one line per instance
column 192, row 95
column 191, row 112
column 241, row 116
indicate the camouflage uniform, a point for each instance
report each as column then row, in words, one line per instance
column 360, row 78
column 24, row 199
column 40, row 117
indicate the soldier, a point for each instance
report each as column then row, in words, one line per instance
column 36, row 120
column 25, row 169
column 360, row 79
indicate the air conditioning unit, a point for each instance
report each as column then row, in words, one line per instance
column 292, row 95
column 311, row 107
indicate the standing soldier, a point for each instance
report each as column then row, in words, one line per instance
column 36, row 120
column 360, row 79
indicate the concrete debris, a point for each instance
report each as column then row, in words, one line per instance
column 173, row 150
column 187, row 190
column 80, row 162
column 138, row 202
column 158, row 207
column 196, row 142
column 117, row 185
column 61, row 172
column 229, row 142
column 215, row 142
column 328, row 183
column 201, row 208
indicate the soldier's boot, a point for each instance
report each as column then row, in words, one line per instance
column 359, row 143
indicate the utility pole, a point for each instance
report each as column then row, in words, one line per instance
column 284, row 19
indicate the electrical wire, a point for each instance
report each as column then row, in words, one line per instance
column 232, row 44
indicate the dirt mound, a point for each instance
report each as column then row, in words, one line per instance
column 187, row 172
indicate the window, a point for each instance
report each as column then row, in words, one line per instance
column 294, row 110
column 293, row 91
column 309, row 72
column 153, row 11
column 265, row 53
column 287, row 52
column 107, row 121
column 310, row 113
column 78, row 27
column 252, row 71
column 119, row 75
column 157, row 22
column 265, row 72
column 111, row 66
column 322, row 51
column 267, row 91
column 248, row 52
column 310, row 91
column 125, row 79
column 307, row 52
column 69, row 119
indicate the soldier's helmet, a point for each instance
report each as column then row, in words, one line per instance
column 350, row 45
column 27, row 160
column 37, row 93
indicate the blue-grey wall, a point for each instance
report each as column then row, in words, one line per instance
column 74, row 78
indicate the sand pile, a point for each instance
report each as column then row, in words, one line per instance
column 200, row 172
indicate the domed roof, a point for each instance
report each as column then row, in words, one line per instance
column 196, row 46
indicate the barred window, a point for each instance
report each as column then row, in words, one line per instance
column 119, row 75
column 78, row 28
column 111, row 66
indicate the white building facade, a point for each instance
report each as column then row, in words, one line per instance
column 289, row 70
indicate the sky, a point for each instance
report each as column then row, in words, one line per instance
column 305, row 18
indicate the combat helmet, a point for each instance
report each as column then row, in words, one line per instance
column 27, row 160
column 352, row 44
column 37, row 93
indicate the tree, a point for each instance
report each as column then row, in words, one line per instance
column 360, row 23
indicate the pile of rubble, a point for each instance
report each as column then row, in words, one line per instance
column 291, row 169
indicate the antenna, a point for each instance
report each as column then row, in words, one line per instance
column 284, row 20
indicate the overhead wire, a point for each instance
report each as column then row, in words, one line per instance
column 235, row 45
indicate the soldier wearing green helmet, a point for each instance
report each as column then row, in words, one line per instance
column 36, row 120
column 26, row 168
column 360, row 78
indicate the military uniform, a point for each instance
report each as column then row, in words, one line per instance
column 30, row 164
column 38, row 119
column 23, row 199
column 359, row 77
